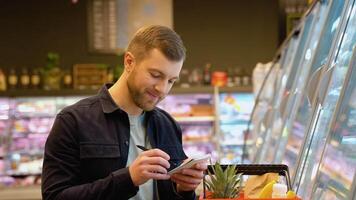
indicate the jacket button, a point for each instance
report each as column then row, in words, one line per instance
column 127, row 143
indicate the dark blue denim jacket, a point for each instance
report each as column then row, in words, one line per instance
column 87, row 148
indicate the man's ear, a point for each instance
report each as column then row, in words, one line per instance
column 129, row 61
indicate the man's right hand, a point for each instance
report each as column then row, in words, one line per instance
column 151, row 164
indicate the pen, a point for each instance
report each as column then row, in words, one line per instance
column 142, row 148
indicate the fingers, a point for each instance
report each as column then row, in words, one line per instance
column 158, row 176
column 154, row 169
column 183, row 179
column 151, row 164
column 193, row 173
column 189, row 179
column 155, row 153
column 155, row 160
column 201, row 166
column 184, row 183
column 187, row 182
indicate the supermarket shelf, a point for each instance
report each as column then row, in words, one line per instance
column 29, row 134
column 337, row 176
column 27, row 152
column 36, row 115
column 196, row 141
column 50, row 93
column 234, row 143
column 334, row 184
column 209, row 89
column 195, row 119
column 87, row 92
column 21, row 193
column 22, row 175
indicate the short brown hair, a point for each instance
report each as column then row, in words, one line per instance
column 157, row 37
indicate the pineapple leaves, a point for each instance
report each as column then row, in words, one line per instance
column 223, row 183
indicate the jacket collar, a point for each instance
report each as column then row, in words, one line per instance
column 108, row 104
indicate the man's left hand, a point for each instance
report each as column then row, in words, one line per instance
column 189, row 179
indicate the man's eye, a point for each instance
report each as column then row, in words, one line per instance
column 155, row 75
column 171, row 81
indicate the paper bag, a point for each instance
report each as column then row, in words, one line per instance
column 254, row 184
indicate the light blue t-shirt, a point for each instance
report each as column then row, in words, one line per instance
column 138, row 136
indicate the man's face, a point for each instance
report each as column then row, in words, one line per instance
column 151, row 79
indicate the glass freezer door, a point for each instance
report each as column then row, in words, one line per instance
column 298, row 121
column 320, row 125
column 263, row 105
column 301, row 123
column 336, row 174
column 321, row 10
column 273, row 131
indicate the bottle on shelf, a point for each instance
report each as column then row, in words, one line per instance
column 230, row 77
column 195, row 77
column 245, row 78
column 219, row 78
column 207, row 74
column 35, row 79
column 238, row 76
column 184, row 78
column 67, row 79
column 2, row 81
column 12, row 79
column 24, row 78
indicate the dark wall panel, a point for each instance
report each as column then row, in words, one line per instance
column 31, row 28
column 227, row 33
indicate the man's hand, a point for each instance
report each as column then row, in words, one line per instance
column 151, row 164
column 189, row 179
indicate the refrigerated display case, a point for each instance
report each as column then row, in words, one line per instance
column 264, row 103
column 272, row 130
column 305, row 114
column 4, row 129
column 296, row 84
column 334, row 176
column 212, row 122
column 299, row 106
column 28, row 121
column 299, row 126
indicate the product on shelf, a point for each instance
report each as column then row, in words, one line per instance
column 25, row 124
column 188, row 105
column 195, row 114
column 235, row 110
column 198, row 149
column 197, row 131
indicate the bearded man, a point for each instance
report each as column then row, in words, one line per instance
column 91, row 151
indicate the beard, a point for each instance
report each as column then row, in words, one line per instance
column 142, row 98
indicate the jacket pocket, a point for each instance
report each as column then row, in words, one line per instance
column 98, row 160
column 99, row 151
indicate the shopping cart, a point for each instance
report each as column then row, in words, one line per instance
column 255, row 169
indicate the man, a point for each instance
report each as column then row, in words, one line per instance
column 91, row 150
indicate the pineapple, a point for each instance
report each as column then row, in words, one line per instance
column 224, row 183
